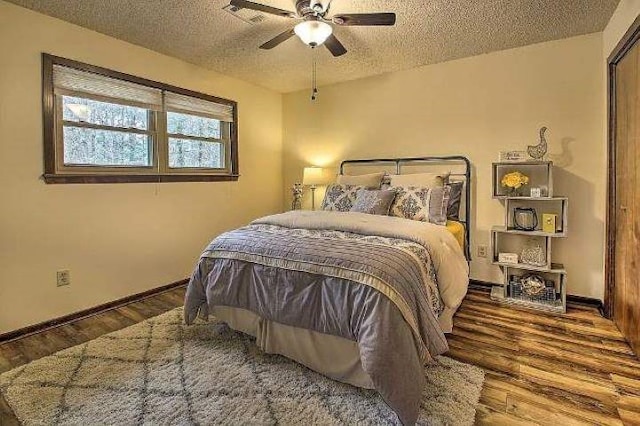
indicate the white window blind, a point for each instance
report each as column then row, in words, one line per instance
column 190, row 105
column 72, row 82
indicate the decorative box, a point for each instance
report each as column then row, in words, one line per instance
column 549, row 223
column 513, row 156
column 508, row 257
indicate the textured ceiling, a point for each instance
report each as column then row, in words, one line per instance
column 427, row 32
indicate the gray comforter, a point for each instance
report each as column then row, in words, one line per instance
column 322, row 272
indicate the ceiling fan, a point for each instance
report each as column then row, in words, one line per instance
column 316, row 28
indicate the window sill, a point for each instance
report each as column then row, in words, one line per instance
column 80, row 178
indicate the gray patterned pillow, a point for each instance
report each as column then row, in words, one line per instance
column 340, row 198
column 455, row 200
column 423, row 204
column 374, row 201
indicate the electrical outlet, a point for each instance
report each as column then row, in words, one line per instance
column 482, row 251
column 64, row 277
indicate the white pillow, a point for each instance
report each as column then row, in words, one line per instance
column 420, row 180
column 371, row 180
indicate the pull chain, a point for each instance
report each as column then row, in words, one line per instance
column 314, row 74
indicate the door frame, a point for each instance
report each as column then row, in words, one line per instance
column 627, row 42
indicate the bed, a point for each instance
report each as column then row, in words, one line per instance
column 364, row 299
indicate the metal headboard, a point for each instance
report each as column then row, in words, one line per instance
column 460, row 160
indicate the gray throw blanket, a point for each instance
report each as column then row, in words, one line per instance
column 377, row 290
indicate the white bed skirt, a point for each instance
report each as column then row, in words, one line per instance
column 333, row 356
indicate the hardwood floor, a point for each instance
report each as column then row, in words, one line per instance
column 541, row 369
column 570, row 369
column 22, row 351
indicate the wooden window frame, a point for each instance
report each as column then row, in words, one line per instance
column 74, row 169
column 225, row 141
column 159, row 172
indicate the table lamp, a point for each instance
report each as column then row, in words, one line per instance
column 312, row 177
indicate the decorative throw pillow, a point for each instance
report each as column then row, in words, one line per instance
column 374, row 201
column 420, row 180
column 340, row 198
column 455, row 199
column 423, row 204
column 372, row 180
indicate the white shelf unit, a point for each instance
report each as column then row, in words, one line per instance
column 507, row 239
column 540, row 175
column 555, row 274
column 548, row 205
column 506, row 230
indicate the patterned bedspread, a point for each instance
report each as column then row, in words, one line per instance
column 419, row 251
column 378, row 290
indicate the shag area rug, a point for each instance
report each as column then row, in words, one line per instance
column 161, row 371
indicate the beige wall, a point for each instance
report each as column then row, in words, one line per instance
column 476, row 107
column 624, row 15
column 116, row 239
column 122, row 239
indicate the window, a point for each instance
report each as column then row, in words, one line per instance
column 105, row 126
column 104, row 134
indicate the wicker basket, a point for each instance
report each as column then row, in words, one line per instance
column 547, row 296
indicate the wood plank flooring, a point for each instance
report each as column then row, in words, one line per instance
column 541, row 369
column 22, row 351
column 545, row 369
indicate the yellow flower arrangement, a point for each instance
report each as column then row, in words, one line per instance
column 514, row 180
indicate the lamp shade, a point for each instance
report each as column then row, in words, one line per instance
column 312, row 176
column 313, row 33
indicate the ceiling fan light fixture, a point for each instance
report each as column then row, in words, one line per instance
column 313, row 33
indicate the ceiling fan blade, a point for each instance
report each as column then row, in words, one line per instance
column 365, row 19
column 335, row 47
column 278, row 39
column 243, row 4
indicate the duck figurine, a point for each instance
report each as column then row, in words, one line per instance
column 538, row 152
